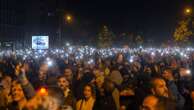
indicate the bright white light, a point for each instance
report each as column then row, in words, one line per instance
column 48, row 59
column 131, row 60
column 36, row 56
column 153, row 54
column 70, row 49
column 67, row 44
column 50, row 63
column 62, row 56
column 188, row 49
column 91, row 61
column 66, row 55
column 24, row 57
column 188, row 71
column 57, row 50
column 39, row 51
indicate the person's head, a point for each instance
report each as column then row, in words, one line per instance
column 147, row 69
column 88, row 77
column 17, row 68
column 149, row 103
column 167, row 74
column 120, row 58
column 157, row 103
column 158, row 87
column 68, row 73
column 96, row 72
column 26, row 67
column 6, row 82
column 88, row 91
column 99, row 81
column 17, row 92
column 43, row 70
column 62, row 82
column 125, row 74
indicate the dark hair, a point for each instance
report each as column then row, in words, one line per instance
column 61, row 76
column 92, row 88
column 167, row 69
column 55, row 92
column 152, row 81
column 68, row 67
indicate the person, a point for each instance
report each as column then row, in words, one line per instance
column 149, row 103
column 189, row 102
column 68, row 99
column 18, row 96
column 47, row 99
column 112, row 85
column 44, row 77
column 87, row 78
column 107, row 95
column 5, row 90
column 168, row 76
column 21, row 90
column 152, row 102
column 68, row 73
column 158, row 87
column 88, row 99
column 41, row 79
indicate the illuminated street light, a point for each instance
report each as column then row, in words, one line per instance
column 68, row 18
column 188, row 11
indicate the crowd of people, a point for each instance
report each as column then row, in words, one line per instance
column 146, row 82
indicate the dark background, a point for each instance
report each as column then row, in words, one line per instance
column 152, row 19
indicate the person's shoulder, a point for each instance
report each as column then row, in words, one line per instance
column 4, row 108
column 78, row 103
column 11, row 106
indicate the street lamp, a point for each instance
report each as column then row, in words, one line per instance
column 68, row 18
column 188, row 11
column 64, row 18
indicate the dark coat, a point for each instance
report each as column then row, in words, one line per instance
column 104, row 102
column 69, row 100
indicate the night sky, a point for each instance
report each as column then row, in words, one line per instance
column 154, row 19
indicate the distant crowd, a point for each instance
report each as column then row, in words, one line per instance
column 144, row 82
